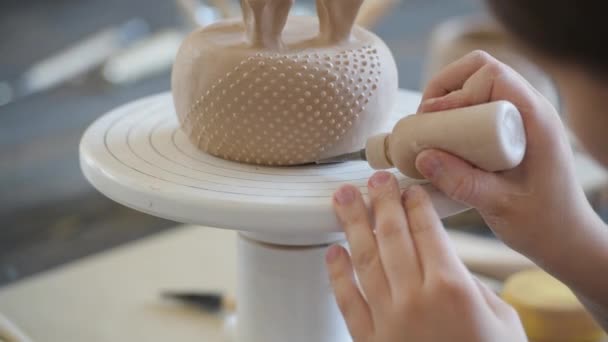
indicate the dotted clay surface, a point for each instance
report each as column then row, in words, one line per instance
column 290, row 108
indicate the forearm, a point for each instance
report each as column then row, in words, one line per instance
column 594, row 295
column 580, row 260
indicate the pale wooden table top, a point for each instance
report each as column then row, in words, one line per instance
column 114, row 296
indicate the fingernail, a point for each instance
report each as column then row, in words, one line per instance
column 428, row 165
column 379, row 179
column 426, row 103
column 332, row 254
column 345, row 195
column 429, row 101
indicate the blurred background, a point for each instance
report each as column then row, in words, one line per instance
column 49, row 214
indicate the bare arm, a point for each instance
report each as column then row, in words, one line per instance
column 538, row 209
column 586, row 272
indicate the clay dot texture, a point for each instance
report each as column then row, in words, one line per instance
column 270, row 108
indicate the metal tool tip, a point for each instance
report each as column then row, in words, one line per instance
column 352, row 156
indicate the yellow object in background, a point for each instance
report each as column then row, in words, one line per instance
column 548, row 309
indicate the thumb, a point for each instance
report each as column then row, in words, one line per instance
column 460, row 180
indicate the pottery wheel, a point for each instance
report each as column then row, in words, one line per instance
column 138, row 156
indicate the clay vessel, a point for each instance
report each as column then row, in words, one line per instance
column 273, row 90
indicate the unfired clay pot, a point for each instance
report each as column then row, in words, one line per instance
column 275, row 91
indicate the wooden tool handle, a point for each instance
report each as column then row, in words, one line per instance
column 491, row 136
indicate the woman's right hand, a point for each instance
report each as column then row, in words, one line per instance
column 534, row 207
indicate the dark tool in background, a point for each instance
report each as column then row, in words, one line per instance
column 210, row 302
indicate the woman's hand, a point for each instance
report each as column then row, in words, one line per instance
column 413, row 285
column 533, row 208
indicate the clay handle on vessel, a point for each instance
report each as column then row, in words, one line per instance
column 336, row 19
column 265, row 21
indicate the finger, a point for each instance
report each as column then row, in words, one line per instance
column 453, row 76
column 493, row 81
column 353, row 215
column 455, row 99
column 462, row 182
column 350, row 301
column 497, row 305
column 394, row 241
column 430, row 239
column 475, row 90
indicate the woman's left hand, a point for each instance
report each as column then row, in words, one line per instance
column 413, row 287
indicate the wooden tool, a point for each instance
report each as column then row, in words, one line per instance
column 212, row 302
column 491, row 136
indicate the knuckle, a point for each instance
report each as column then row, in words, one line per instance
column 503, row 202
column 500, row 206
column 465, row 189
column 389, row 227
column 490, row 64
column 480, row 56
column 495, row 68
column 365, row 259
column 453, row 288
column 419, row 227
column 353, row 217
column 405, row 302
column 413, row 306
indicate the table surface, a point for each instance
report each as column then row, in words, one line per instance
column 115, row 296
